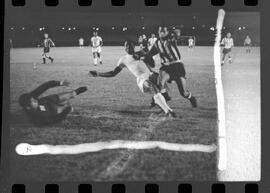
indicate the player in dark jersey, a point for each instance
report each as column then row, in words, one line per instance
column 48, row 109
column 47, row 44
column 172, row 68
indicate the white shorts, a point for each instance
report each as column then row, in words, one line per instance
column 97, row 49
column 140, row 82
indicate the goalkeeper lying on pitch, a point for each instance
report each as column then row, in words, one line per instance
column 49, row 109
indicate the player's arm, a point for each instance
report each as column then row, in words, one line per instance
column 108, row 74
column 53, row 44
column 101, row 42
column 222, row 42
column 47, row 85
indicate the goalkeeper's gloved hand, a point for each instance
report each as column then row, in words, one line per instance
column 93, row 73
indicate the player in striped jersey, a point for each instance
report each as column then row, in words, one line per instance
column 47, row 44
column 228, row 45
column 172, row 68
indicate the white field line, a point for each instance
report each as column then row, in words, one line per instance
column 222, row 146
column 28, row 149
column 118, row 165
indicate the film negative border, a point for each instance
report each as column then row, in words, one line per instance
column 144, row 188
column 183, row 188
column 122, row 2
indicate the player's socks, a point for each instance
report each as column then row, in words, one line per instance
column 192, row 100
column 44, row 60
column 95, row 61
column 51, row 59
column 80, row 90
column 160, row 101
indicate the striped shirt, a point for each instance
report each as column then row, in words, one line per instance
column 47, row 43
column 167, row 50
column 227, row 42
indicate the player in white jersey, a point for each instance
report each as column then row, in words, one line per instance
column 190, row 42
column 81, row 42
column 247, row 44
column 96, row 43
column 151, row 41
column 228, row 45
column 147, row 81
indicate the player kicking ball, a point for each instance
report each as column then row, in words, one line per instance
column 172, row 68
column 228, row 45
column 146, row 80
column 47, row 44
column 96, row 43
column 48, row 109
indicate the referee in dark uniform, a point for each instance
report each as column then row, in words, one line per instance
column 172, row 68
column 48, row 109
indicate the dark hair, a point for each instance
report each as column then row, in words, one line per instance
column 24, row 100
column 129, row 43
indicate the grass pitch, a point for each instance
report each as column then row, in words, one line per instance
column 112, row 109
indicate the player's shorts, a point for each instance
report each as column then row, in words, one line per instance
column 97, row 49
column 46, row 50
column 143, row 82
column 175, row 70
column 226, row 50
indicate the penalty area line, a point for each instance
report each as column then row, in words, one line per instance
column 28, row 149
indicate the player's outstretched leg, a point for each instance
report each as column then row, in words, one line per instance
column 163, row 87
column 181, row 84
column 66, row 96
column 159, row 99
column 51, row 59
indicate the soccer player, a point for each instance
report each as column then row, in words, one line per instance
column 228, row 45
column 247, row 44
column 172, row 68
column 190, row 42
column 146, row 80
column 48, row 109
column 96, row 44
column 81, row 42
column 151, row 41
column 143, row 43
column 47, row 44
